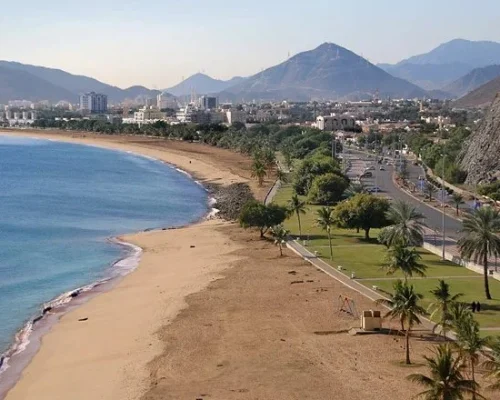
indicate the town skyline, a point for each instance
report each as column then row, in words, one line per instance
column 135, row 46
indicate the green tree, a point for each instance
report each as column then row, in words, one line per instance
column 325, row 220
column 258, row 215
column 295, row 205
column 470, row 342
column 327, row 189
column 446, row 380
column 430, row 191
column 404, row 306
column 280, row 235
column 363, row 211
column 281, row 176
column 440, row 307
column 457, row 200
column 354, row 189
column 459, row 312
column 406, row 260
column 259, row 171
column 269, row 158
column 480, row 239
column 310, row 169
column 406, row 227
column 492, row 365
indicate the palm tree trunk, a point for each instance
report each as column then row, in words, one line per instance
column 330, row 243
column 407, row 337
column 281, row 250
column 300, row 227
column 486, row 283
column 367, row 234
column 457, row 209
column 473, row 377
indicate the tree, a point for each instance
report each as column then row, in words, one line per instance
column 363, row 211
column 492, row 366
column 443, row 299
column 281, row 175
column 327, row 189
column 280, row 235
column 446, row 380
column 406, row 227
column 470, row 342
column 480, row 239
column 259, row 171
column 325, row 221
column 269, row 158
column 429, row 190
column 310, row 169
column 404, row 306
column 354, row 189
column 459, row 312
column 295, row 205
column 457, row 200
column 406, row 260
column 258, row 215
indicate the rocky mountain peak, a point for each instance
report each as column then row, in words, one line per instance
column 480, row 157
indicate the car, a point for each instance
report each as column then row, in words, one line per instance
column 367, row 174
column 370, row 168
column 374, row 189
column 382, row 168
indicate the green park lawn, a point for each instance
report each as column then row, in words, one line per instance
column 366, row 259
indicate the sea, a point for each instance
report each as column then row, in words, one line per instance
column 61, row 205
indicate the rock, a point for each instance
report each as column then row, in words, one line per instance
column 480, row 153
column 230, row 199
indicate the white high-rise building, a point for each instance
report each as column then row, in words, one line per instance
column 164, row 100
column 94, row 103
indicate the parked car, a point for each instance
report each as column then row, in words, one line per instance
column 367, row 174
column 374, row 189
column 382, row 168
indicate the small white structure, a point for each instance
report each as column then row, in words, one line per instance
column 371, row 320
column 334, row 122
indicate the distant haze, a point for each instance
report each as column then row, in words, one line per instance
column 157, row 43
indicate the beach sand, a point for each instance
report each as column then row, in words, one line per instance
column 173, row 330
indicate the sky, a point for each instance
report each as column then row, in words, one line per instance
column 158, row 43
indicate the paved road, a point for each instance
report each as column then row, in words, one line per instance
column 383, row 179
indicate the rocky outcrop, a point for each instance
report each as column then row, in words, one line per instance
column 481, row 154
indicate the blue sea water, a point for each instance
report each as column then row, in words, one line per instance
column 59, row 205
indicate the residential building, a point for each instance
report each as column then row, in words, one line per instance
column 334, row 122
column 236, row 116
column 147, row 115
column 93, row 103
column 165, row 100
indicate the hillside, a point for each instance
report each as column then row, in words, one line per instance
column 75, row 84
column 474, row 79
column 446, row 63
column 328, row 72
column 481, row 97
column 202, row 84
column 480, row 156
column 21, row 85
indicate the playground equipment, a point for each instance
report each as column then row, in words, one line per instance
column 347, row 305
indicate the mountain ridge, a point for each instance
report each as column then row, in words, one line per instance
column 202, row 84
column 474, row 79
column 483, row 96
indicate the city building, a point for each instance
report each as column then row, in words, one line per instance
column 94, row 103
column 236, row 116
column 147, row 115
column 208, row 103
column 165, row 100
column 334, row 122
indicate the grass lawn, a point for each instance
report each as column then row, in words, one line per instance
column 366, row 259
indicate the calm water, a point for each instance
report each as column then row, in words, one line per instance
column 58, row 205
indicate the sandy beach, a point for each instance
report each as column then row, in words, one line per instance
column 212, row 312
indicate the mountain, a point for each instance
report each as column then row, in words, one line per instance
column 446, row 63
column 328, row 72
column 474, row 79
column 21, row 85
column 202, row 84
column 481, row 97
column 480, row 155
column 76, row 84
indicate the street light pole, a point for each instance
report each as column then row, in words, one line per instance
column 444, row 213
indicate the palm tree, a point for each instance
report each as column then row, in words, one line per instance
column 470, row 342
column 458, row 312
column 404, row 306
column 457, row 199
column 446, row 380
column 280, row 235
column 406, row 260
column 354, row 189
column 259, row 171
column 295, row 205
column 325, row 221
column 407, row 225
column 281, row 175
column 480, row 239
column 492, row 366
column 443, row 299
column 429, row 190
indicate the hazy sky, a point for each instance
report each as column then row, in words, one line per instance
column 156, row 43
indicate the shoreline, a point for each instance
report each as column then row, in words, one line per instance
column 65, row 304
